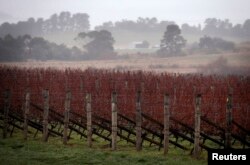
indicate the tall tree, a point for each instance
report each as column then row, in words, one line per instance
column 64, row 21
column 13, row 49
column 213, row 45
column 246, row 27
column 101, row 44
column 80, row 22
column 172, row 42
column 40, row 49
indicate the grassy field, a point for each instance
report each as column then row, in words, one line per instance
column 185, row 64
column 16, row 151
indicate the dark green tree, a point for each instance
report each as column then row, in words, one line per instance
column 172, row 42
column 40, row 49
column 100, row 45
column 211, row 45
column 246, row 28
column 206, row 43
column 13, row 49
column 25, row 47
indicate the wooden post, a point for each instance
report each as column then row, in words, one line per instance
column 26, row 114
column 45, row 115
column 166, row 123
column 89, row 119
column 66, row 117
column 6, row 112
column 197, row 126
column 228, row 120
column 138, row 122
column 114, row 120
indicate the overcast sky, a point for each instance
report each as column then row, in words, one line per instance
column 180, row 11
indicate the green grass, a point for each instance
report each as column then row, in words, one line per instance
column 15, row 151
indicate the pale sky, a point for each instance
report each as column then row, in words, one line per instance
column 180, row 11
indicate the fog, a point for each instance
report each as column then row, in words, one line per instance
column 181, row 36
column 181, row 11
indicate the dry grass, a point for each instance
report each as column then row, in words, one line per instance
column 186, row 64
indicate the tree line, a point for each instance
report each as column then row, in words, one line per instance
column 25, row 47
column 63, row 22
column 21, row 41
column 212, row 27
column 79, row 22
column 99, row 46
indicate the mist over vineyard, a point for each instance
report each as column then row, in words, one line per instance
column 127, row 44
column 120, row 75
